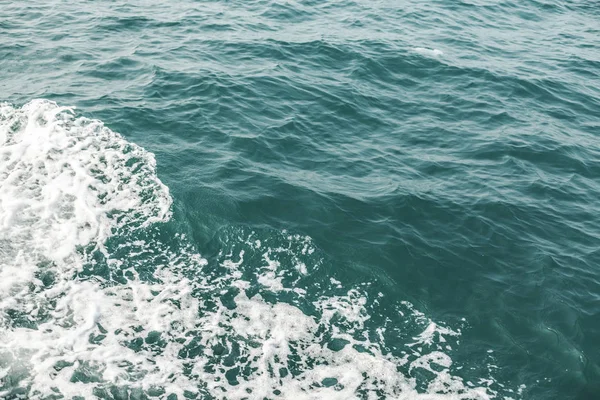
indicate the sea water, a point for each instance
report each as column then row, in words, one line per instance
column 299, row 200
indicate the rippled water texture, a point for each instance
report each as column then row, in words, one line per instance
column 300, row 199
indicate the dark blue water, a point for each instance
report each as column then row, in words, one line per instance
column 304, row 200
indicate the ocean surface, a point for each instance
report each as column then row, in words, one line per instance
column 300, row 199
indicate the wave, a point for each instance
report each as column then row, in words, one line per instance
column 101, row 296
column 429, row 52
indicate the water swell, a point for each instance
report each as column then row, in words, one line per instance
column 102, row 296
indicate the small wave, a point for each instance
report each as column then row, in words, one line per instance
column 429, row 52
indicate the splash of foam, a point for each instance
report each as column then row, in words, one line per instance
column 66, row 183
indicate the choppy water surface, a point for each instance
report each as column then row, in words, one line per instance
column 300, row 200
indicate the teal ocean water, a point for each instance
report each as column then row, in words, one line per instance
column 300, row 199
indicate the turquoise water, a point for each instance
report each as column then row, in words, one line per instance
column 300, row 200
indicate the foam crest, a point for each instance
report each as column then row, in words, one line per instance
column 429, row 52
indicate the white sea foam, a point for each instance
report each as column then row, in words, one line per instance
column 429, row 52
column 67, row 186
column 66, row 183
